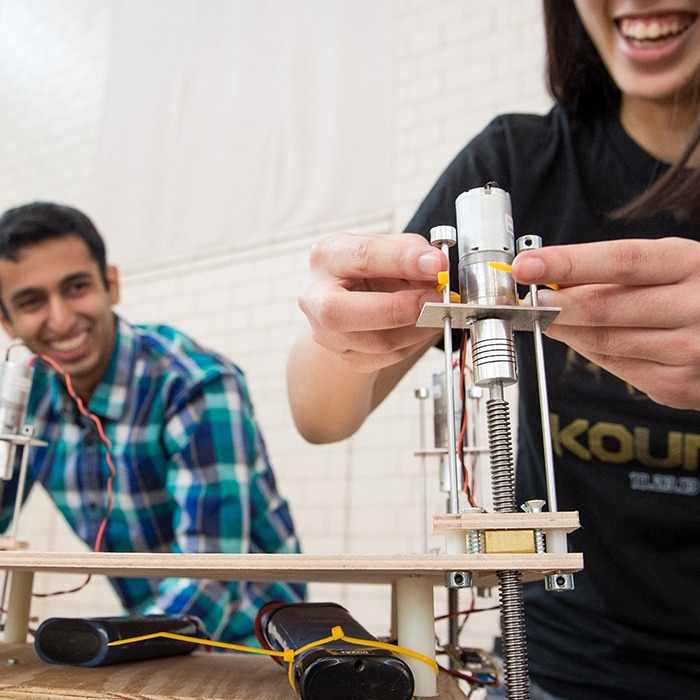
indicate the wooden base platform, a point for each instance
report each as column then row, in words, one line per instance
column 199, row 676
column 294, row 568
column 414, row 577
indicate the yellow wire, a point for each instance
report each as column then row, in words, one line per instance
column 443, row 279
column 288, row 655
column 507, row 268
column 500, row 266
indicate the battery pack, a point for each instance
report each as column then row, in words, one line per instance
column 85, row 641
column 338, row 670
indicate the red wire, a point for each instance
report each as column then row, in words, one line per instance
column 110, row 462
column 469, row 478
column 493, row 683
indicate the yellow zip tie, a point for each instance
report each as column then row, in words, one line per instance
column 288, row 655
column 507, row 268
column 197, row 640
column 393, row 647
column 310, row 645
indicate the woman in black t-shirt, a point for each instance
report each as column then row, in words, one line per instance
column 610, row 180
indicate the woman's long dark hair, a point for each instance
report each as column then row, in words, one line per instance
column 579, row 81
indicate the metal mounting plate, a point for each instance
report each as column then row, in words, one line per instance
column 523, row 318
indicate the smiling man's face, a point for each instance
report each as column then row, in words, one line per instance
column 54, row 299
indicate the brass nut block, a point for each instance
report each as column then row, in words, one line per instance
column 509, row 542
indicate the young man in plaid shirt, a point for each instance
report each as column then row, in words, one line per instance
column 187, row 470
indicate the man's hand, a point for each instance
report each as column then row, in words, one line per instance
column 630, row 306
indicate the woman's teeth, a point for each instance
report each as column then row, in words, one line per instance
column 651, row 30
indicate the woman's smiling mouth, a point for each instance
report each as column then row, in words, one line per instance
column 650, row 31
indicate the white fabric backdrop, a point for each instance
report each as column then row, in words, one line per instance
column 228, row 120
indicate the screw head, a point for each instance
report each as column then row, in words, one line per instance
column 533, row 506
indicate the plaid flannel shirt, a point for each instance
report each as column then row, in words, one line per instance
column 192, row 473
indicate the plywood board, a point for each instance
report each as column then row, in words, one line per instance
column 199, row 676
column 566, row 521
column 303, row 568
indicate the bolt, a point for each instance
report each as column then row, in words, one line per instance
column 535, row 506
column 475, row 538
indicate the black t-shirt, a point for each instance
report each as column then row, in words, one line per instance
column 631, row 627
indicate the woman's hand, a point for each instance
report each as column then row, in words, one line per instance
column 630, row 306
column 365, row 294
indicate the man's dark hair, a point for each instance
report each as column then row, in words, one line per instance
column 579, row 80
column 40, row 221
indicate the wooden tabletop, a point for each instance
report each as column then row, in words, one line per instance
column 199, row 676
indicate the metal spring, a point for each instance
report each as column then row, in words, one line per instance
column 513, row 636
column 501, row 456
column 475, row 542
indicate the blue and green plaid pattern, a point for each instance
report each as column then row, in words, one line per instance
column 192, row 473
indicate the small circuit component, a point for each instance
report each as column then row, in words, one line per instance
column 475, row 662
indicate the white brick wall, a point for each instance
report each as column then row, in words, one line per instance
column 53, row 58
column 457, row 64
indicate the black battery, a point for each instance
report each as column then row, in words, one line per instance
column 85, row 641
column 337, row 670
